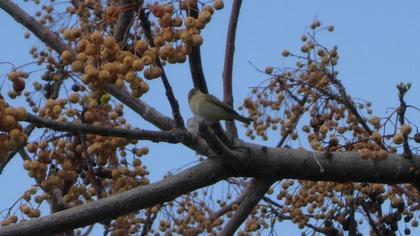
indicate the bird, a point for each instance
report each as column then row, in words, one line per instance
column 211, row 109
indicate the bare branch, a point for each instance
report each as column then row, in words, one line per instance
column 124, row 19
column 372, row 223
column 254, row 192
column 88, row 230
column 402, row 90
column 150, row 218
column 346, row 100
column 228, row 66
column 299, row 115
column 174, row 136
column 286, row 217
column 169, row 136
column 288, row 163
column 194, row 59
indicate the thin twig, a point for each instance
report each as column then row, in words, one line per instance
column 168, row 88
column 225, row 209
column 402, row 90
column 174, row 136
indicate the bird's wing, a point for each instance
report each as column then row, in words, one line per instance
column 223, row 105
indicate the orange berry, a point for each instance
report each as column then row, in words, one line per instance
column 31, row 147
column 218, row 4
column 269, row 70
column 96, row 37
column 21, row 113
column 141, row 46
column 67, row 57
column 405, row 129
column 398, row 138
column 377, row 137
column 8, row 122
column 189, row 22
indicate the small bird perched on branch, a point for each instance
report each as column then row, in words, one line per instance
column 211, row 109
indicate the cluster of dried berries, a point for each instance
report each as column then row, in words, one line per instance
column 84, row 168
column 312, row 93
column 11, row 133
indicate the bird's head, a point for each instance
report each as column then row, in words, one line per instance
column 192, row 92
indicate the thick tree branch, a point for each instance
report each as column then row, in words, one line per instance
column 206, row 173
column 194, row 59
column 196, row 68
column 288, row 163
column 266, row 163
column 276, row 163
column 254, row 192
column 124, row 19
column 228, row 65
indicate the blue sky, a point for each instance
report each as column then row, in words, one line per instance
column 378, row 43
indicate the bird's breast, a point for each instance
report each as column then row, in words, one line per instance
column 207, row 110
